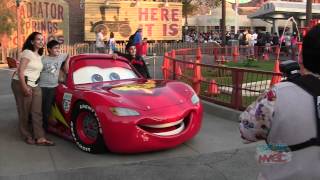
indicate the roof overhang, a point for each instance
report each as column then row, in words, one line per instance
column 284, row 10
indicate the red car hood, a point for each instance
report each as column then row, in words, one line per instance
column 144, row 95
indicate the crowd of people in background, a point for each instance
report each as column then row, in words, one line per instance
column 249, row 38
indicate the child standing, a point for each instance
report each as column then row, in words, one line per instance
column 49, row 77
column 111, row 43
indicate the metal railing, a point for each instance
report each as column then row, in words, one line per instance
column 232, row 87
column 239, row 53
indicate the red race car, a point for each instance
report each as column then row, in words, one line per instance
column 106, row 104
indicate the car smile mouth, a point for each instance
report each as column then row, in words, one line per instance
column 166, row 129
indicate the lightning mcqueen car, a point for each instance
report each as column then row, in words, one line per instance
column 106, row 104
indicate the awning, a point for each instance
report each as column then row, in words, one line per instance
column 284, row 10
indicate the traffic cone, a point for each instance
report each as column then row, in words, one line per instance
column 222, row 59
column 235, row 54
column 213, row 88
column 199, row 55
column 276, row 78
column 197, row 78
column 165, row 66
column 178, row 71
column 173, row 54
column 190, row 65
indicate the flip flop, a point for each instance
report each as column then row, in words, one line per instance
column 30, row 140
column 45, row 143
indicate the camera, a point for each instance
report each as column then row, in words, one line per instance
column 290, row 69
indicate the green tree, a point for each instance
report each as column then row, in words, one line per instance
column 188, row 8
column 7, row 19
column 8, row 24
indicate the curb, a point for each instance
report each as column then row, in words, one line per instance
column 221, row 111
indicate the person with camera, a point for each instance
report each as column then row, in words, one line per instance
column 289, row 114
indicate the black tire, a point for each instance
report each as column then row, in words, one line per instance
column 88, row 139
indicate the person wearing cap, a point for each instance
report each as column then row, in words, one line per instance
column 136, row 60
column 137, row 41
column 285, row 115
column 49, row 77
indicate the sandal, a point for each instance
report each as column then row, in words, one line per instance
column 45, row 142
column 29, row 140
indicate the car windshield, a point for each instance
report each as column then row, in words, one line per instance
column 92, row 74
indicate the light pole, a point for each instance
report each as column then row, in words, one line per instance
column 223, row 22
column 308, row 12
column 236, row 17
column 18, row 27
column 186, row 18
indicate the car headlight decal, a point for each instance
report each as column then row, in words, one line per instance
column 118, row 111
column 195, row 99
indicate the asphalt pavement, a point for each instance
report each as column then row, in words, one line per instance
column 217, row 152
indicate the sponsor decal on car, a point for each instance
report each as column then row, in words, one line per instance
column 148, row 87
column 66, row 102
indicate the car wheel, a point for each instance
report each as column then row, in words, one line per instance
column 86, row 129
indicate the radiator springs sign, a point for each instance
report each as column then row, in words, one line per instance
column 51, row 18
column 158, row 20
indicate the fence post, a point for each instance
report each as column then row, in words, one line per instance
column 277, row 52
column 299, row 52
column 154, row 65
column 199, row 55
column 3, row 55
column 184, row 58
column 276, row 78
column 173, row 55
column 266, row 53
column 237, row 79
column 215, row 54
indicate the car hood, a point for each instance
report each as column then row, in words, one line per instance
column 144, row 95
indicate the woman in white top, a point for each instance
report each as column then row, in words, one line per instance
column 27, row 93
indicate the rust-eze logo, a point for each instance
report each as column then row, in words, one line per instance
column 273, row 154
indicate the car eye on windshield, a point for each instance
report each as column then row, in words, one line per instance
column 88, row 74
column 118, row 73
column 114, row 76
column 93, row 74
column 97, row 78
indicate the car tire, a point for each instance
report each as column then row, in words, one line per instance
column 86, row 129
